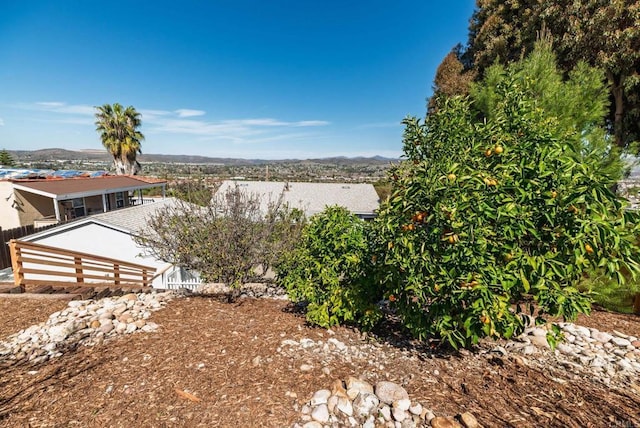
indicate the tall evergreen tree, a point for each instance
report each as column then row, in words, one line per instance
column 451, row 78
column 604, row 33
column 118, row 128
column 6, row 160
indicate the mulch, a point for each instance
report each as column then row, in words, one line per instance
column 216, row 364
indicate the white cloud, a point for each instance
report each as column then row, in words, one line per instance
column 185, row 112
column 60, row 107
column 187, row 123
column 237, row 131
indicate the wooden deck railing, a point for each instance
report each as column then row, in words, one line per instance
column 29, row 260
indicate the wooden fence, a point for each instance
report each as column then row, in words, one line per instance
column 34, row 264
column 7, row 235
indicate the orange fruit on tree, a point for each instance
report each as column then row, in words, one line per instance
column 498, row 149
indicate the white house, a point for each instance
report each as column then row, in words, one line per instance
column 312, row 198
column 111, row 235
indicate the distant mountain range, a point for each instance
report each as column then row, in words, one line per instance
column 52, row 155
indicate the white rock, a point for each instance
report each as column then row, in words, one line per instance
column 619, row 341
column 601, row 336
column 403, row 404
column 620, row 334
column 583, row 331
column 385, row 411
column 344, row 405
column 416, row 409
column 539, row 332
column 307, row 343
column 358, row 386
column 565, row 349
column 388, row 392
column 320, row 413
column 624, row 364
column 320, row 397
column 60, row 332
column 540, row 342
column 365, row 403
column 398, row 414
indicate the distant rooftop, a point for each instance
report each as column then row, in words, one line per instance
column 312, row 198
column 15, row 173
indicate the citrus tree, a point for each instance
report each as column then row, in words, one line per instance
column 330, row 270
column 489, row 211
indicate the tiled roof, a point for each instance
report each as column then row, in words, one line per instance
column 312, row 198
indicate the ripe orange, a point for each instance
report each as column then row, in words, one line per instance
column 498, row 149
column 488, row 152
column 588, row 248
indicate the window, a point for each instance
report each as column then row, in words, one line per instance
column 78, row 207
column 119, row 199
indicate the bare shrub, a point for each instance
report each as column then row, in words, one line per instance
column 233, row 240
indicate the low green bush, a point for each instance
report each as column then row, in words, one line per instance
column 330, row 270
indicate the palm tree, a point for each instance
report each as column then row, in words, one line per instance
column 118, row 131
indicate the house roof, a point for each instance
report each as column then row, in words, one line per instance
column 312, row 198
column 134, row 218
column 128, row 220
column 69, row 188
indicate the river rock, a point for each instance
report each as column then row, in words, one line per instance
column 388, row 392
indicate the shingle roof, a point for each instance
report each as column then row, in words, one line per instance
column 84, row 185
column 129, row 220
column 312, row 198
column 133, row 218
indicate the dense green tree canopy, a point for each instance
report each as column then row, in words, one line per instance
column 6, row 160
column 451, row 78
column 118, row 128
column 604, row 33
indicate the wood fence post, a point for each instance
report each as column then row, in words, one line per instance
column 636, row 304
column 78, row 264
column 16, row 264
column 116, row 273
column 145, row 281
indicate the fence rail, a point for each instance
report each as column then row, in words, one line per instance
column 7, row 235
column 36, row 264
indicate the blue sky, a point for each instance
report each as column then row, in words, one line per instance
column 250, row 79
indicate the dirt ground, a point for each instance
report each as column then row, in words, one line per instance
column 201, row 368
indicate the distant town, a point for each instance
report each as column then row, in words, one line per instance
column 334, row 169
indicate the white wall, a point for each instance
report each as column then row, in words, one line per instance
column 102, row 241
column 8, row 214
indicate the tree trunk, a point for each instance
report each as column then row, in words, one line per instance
column 120, row 167
column 617, row 90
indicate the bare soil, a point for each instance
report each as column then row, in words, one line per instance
column 200, row 369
